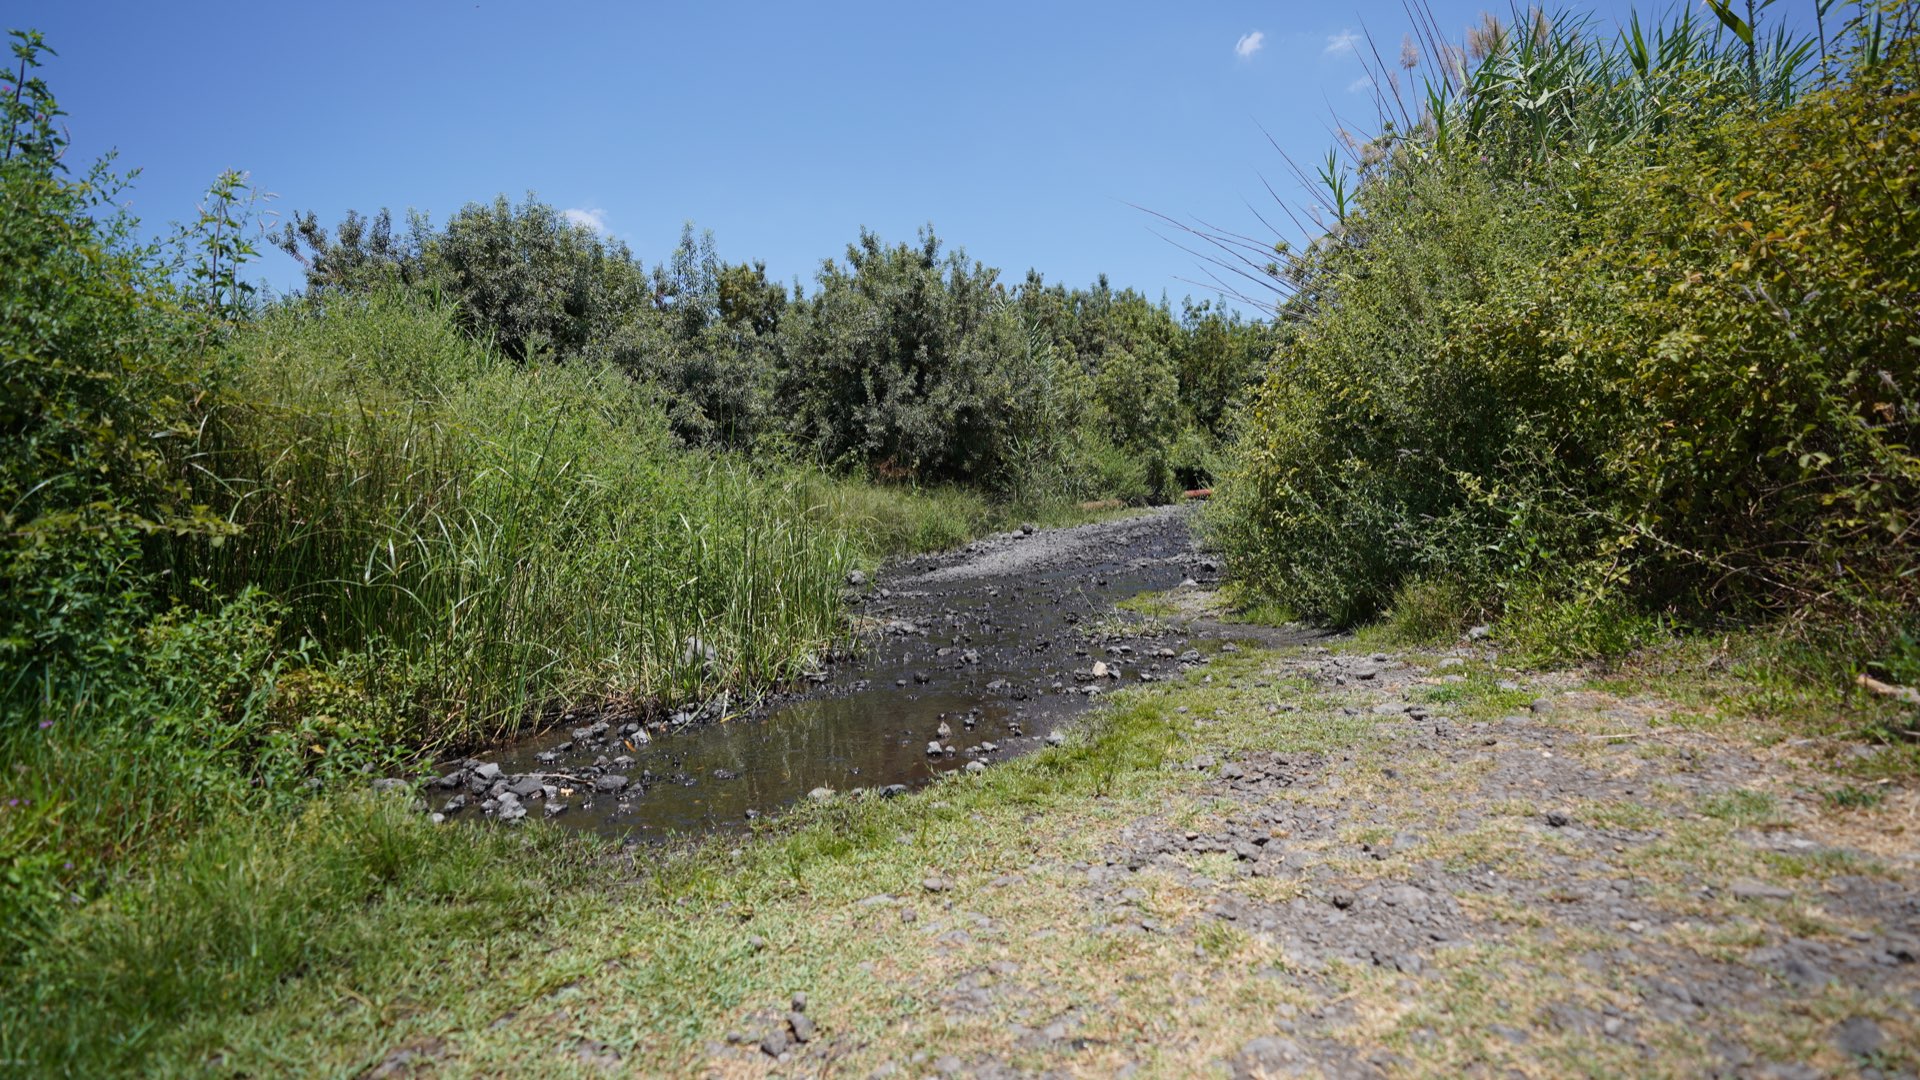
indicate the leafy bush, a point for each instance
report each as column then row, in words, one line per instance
column 1615, row 375
column 101, row 381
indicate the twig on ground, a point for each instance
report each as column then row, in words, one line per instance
column 1902, row 693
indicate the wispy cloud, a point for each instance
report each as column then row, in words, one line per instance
column 1359, row 84
column 1249, row 44
column 1342, row 42
column 594, row 219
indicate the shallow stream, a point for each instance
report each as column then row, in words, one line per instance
column 998, row 643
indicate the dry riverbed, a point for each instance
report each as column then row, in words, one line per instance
column 1311, row 859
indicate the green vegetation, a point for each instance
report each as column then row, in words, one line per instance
column 906, row 362
column 1608, row 338
column 1609, row 333
column 253, row 551
column 258, row 550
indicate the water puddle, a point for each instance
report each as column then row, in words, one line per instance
column 993, row 661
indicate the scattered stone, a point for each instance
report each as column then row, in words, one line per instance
column 487, row 772
column 820, row 794
column 1055, row 738
column 1405, row 896
column 799, row 1003
column 1479, row 633
column 1558, row 820
column 936, row 884
column 1270, row 1052
column 776, row 1042
column 976, row 767
column 1750, row 889
column 610, row 783
column 1858, row 1036
column 934, row 749
column 893, row 791
column 856, row 578
column 803, row 1029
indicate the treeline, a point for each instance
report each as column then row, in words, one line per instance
column 901, row 362
column 1609, row 330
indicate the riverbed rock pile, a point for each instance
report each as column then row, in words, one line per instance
column 483, row 786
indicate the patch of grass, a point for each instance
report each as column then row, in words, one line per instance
column 1741, row 806
column 1477, row 695
column 1849, row 797
column 1822, row 863
column 1154, row 605
column 349, row 884
column 1434, row 611
column 1620, row 814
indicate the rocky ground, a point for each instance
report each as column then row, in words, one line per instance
column 964, row 659
column 1457, row 873
column 1299, row 857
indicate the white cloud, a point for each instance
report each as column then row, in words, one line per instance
column 1359, row 84
column 1342, row 42
column 1249, row 44
column 594, row 219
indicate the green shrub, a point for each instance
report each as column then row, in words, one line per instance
column 1434, row 611
column 513, row 534
column 102, row 376
column 1659, row 365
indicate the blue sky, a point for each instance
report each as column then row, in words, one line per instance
column 1021, row 131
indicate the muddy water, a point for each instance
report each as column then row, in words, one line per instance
column 997, row 643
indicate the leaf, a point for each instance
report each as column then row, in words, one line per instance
column 1733, row 22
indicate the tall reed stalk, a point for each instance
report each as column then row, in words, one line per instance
column 512, row 536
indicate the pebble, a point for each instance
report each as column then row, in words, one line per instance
column 1858, row 1037
column 1749, row 889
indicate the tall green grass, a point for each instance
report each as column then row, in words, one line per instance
column 512, row 534
column 222, row 923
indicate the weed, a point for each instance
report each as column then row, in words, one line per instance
column 1741, row 806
